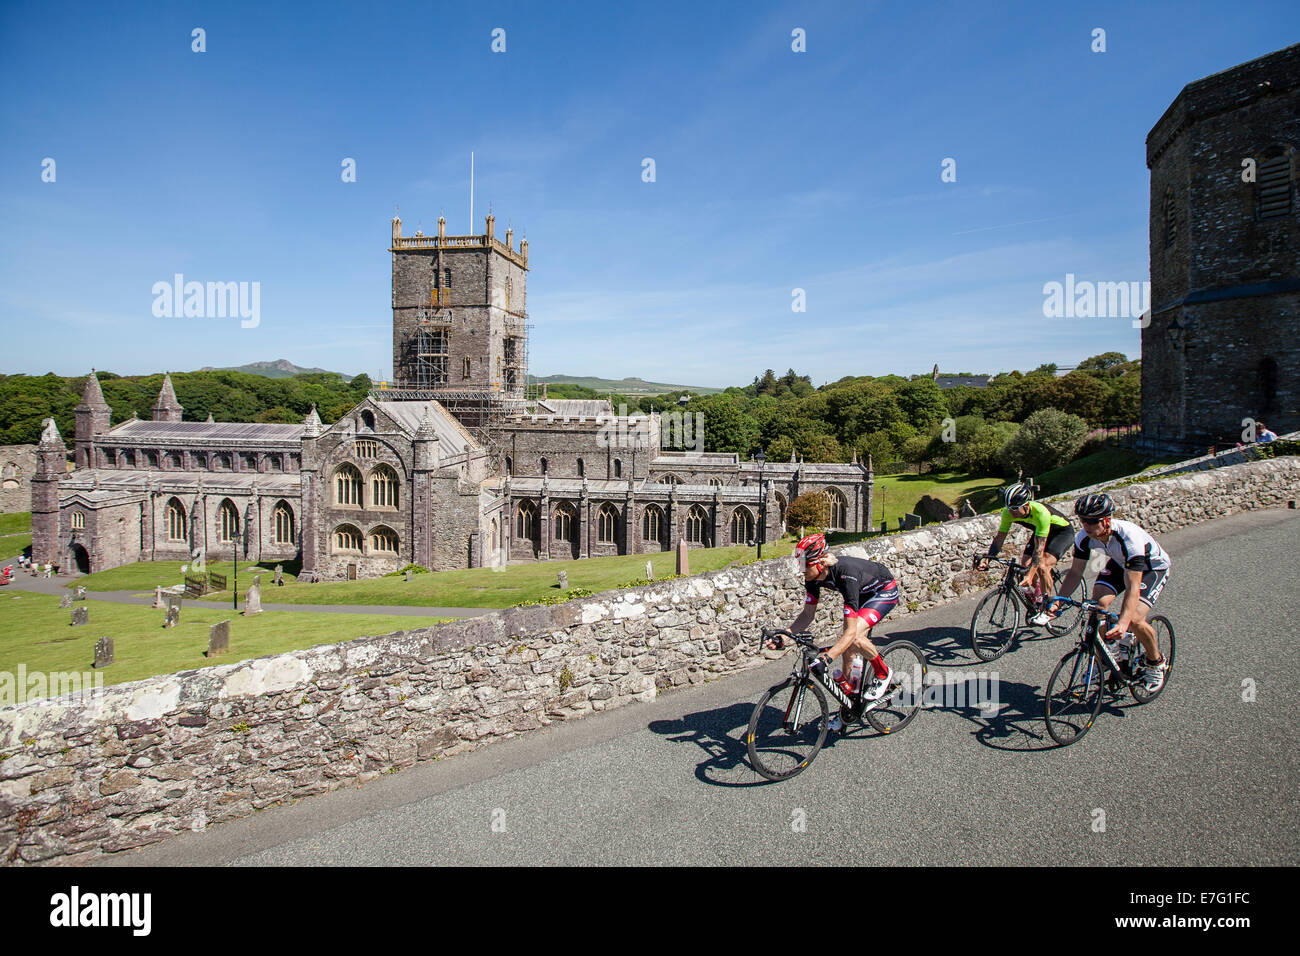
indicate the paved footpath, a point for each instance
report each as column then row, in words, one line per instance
column 23, row 581
column 1207, row 774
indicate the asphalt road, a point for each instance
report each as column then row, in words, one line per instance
column 1201, row 776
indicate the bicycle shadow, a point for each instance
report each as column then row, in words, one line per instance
column 1016, row 724
column 720, row 733
column 948, row 645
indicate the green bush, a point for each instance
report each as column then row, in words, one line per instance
column 1048, row 439
column 809, row 510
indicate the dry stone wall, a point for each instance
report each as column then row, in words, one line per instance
column 144, row 760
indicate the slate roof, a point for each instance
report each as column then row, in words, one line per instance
column 575, row 407
column 199, row 433
column 453, row 437
column 111, row 480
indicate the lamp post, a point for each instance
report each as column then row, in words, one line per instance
column 762, row 502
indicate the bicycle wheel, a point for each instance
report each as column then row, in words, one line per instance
column 1068, row 619
column 907, row 691
column 994, row 624
column 777, row 750
column 1165, row 639
column 1073, row 696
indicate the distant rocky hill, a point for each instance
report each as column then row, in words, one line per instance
column 280, row 368
column 621, row 386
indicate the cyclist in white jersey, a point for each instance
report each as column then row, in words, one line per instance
column 1138, row 568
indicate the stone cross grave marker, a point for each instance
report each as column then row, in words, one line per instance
column 253, row 604
column 683, row 558
column 218, row 638
column 158, row 598
column 80, row 615
column 65, row 602
column 103, row 652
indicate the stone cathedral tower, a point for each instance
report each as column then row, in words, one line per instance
column 1222, row 346
column 460, row 331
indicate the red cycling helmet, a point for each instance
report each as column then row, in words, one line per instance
column 811, row 548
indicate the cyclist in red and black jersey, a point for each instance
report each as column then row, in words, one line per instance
column 870, row 592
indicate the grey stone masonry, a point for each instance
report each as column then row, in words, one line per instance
column 1221, row 345
column 145, row 760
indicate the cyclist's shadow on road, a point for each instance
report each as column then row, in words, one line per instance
column 721, row 735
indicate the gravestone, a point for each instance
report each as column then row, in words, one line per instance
column 81, row 593
column 884, row 527
column 80, row 615
column 65, row 602
column 901, row 524
column 683, row 558
column 563, row 578
column 103, row 652
column 218, row 638
column 967, row 510
column 279, row 576
column 158, row 598
column 913, row 521
column 409, row 574
column 253, row 603
column 173, row 616
column 649, row 570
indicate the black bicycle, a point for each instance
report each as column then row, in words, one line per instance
column 998, row 617
column 790, row 721
column 1075, row 689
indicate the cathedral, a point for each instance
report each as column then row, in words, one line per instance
column 455, row 464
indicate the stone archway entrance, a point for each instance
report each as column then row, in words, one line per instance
column 80, row 559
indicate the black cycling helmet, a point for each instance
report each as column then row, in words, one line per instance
column 1016, row 496
column 1094, row 507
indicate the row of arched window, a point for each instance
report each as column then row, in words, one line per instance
column 544, row 467
column 380, row 540
column 383, row 487
column 229, row 522
column 564, row 518
column 198, row 460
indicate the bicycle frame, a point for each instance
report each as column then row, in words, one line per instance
column 805, row 674
column 1090, row 637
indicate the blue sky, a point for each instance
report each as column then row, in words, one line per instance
column 775, row 170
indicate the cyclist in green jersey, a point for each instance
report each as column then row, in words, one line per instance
column 1052, row 537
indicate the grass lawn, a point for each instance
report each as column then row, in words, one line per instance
column 898, row 494
column 35, row 631
column 15, row 533
column 144, row 576
column 476, row 587
column 1105, row 465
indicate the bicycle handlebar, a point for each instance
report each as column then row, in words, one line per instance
column 804, row 640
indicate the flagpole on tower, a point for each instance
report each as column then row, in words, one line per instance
column 471, row 193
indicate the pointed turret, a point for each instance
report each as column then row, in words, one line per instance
column 51, row 465
column 426, row 442
column 92, row 420
column 167, row 408
column 312, row 421
column 210, row 420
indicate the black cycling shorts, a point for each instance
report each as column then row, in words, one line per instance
column 1153, row 582
column 1059, row 540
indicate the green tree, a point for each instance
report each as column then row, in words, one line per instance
column 921, row 402
column 810, row 510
